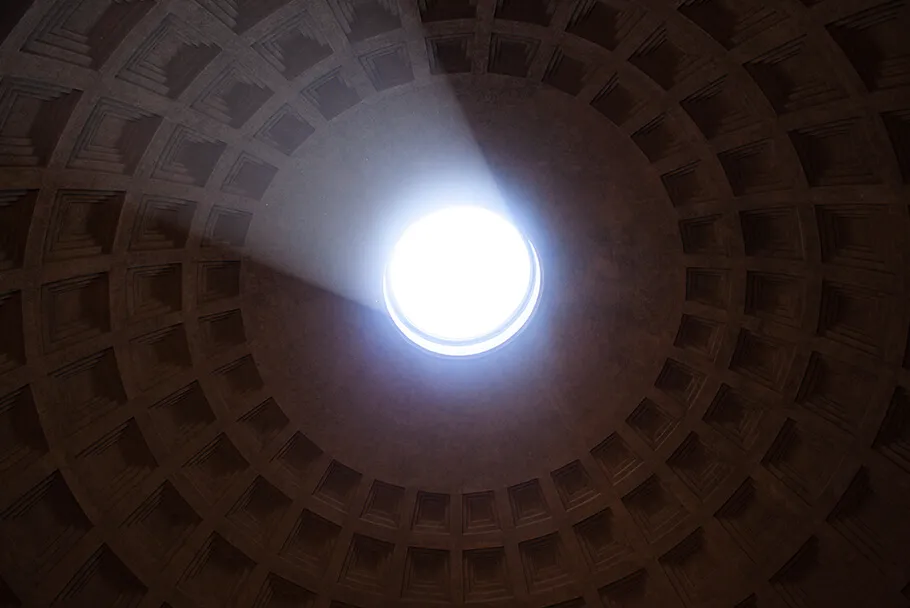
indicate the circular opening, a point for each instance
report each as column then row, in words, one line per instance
column 462, row 281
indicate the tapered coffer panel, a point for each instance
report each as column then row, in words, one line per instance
column 33, row 116
column 46, row 522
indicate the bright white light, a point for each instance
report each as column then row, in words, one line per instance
column 461, row 281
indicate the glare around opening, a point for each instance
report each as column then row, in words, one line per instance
column 461, row 281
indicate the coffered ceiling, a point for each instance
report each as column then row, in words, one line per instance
column 201, row 403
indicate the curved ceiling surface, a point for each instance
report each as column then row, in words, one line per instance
column 202, row 401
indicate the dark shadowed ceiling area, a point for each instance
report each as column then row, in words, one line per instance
column 203, row 402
